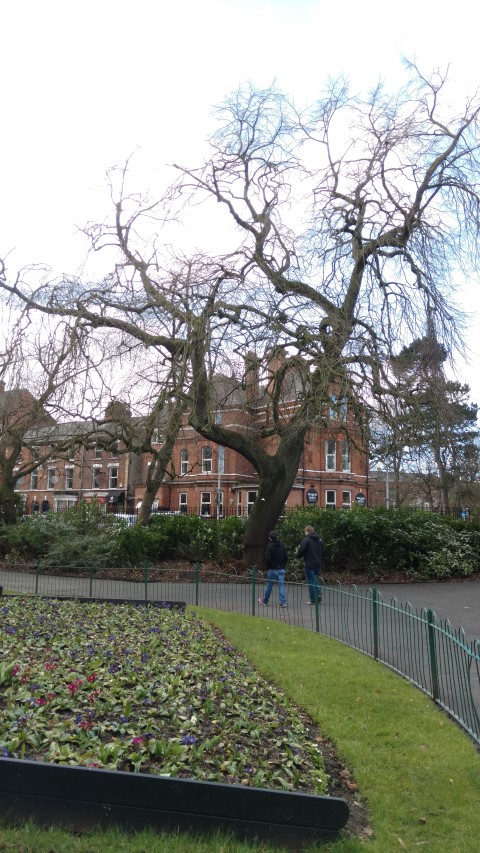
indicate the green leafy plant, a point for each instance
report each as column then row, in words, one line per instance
column 144, row 689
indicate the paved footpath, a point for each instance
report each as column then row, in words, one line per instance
column 459, row 601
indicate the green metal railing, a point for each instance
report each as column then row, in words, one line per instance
column 431, row 654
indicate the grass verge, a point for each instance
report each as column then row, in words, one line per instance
column 419, row 773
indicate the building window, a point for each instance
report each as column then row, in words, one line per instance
column 330, row 455
column 34, row 480
column 251, row 498
column 114, row 448
column 206, row 502
column 71, row 454
column 51, row 478
column 330, row 499
column 18, row 481
column 220, row 504
column 184, row 462
column 97, row 477
column 207, row 460
column 338, row 408
column 69, row 477
column 113, row 477
column 239, row 503
column 97, row 453
column 346, row 500
column 346, row 465
column 183, row 502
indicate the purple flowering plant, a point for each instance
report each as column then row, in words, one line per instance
column 143, row 689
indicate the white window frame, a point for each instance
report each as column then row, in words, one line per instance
column 115, row 449
column 338, row 408
column 50, row 478
column 69, row 473
column 333, row 407
column 96, row 470
column 97, row 452
column 207, row 459
column 346, row 500
column 346, row 460
column 251, row 498
column 330, row 499
column 239, row 503
column 183, row 502
column 330, row 454
column 183, row 462
column 206, row 504
column 113, row 478
column 34, row 479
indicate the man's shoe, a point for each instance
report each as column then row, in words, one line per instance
column 261, row 601
column 282, row 605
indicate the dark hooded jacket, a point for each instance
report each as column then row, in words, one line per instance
column 276, row 555
column 311, row 549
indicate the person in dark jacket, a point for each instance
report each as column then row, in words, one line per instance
column 276, row 559
column 311, row 549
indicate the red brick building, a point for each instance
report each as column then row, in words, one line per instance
column 203, row 478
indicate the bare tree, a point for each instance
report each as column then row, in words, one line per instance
column 350, row 221
column 353, row 222
column 40, row 371
column 140, row 313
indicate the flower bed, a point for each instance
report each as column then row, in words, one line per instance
column 142, row 689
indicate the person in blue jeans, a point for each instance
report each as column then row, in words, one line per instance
column 311, row 550
column 276, row 558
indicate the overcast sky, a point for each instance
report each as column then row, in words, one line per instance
column 87, row 83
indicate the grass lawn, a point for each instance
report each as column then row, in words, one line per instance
column 419, row 774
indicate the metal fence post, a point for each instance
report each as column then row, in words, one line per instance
column 197, row 582
column 432, row 653
column 254, row 595
column 145, row 579
column 375, row 621
column 317, row 604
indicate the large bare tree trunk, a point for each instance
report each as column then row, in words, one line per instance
column 8, row 507
column 276, row 480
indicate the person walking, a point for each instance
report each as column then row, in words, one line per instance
column 311, row 550
column 276, row 558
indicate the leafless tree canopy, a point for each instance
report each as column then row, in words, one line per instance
column 351, row 223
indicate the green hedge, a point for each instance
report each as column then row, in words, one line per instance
column 371, row 543
column 382, row 542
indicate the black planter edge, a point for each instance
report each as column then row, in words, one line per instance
column 80, row 798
